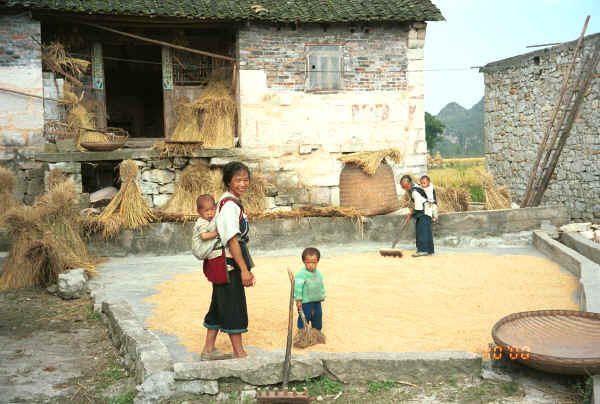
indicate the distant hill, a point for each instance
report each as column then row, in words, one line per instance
column 463, row 135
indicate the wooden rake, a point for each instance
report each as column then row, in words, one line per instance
column 284, row 395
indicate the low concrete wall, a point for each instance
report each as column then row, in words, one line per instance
column 582, row 245
column 586, row 271
column 159, row 378
column 173, row 238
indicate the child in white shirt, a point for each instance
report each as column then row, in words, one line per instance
column 431, row 207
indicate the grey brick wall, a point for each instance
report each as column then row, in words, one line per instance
column 520, row 95
column 20, row 37
column 374, row 58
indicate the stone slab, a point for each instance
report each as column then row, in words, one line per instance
column 259, row 370
column 582, row 245
column 415, row 367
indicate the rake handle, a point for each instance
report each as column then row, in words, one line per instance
column 401, row 231
column 288, row 347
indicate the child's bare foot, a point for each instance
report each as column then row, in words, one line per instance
column 240, row 355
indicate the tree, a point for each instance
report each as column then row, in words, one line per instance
column 433, row 130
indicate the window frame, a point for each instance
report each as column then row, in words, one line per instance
column 339, row 54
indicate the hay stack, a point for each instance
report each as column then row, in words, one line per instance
column 198, row 179
column 371, row 160
column 495, row 197
column 7, row 184
column 218, row 110
column 46, row 240
column 451, row 199
column 56, row 177
column 128, row 209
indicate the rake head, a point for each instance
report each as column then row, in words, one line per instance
column 282, row 396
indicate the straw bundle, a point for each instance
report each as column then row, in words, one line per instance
column 371, row 160
column 218, row 109
column 55, row 58
column 7, row 184
column 55, row 177
column 46, row 240
column 128, row 209
column 308, row 336
column 196, row 179
column 495, row 197
column 451, row 199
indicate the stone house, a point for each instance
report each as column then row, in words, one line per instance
column 520, row 95
column 313, row 80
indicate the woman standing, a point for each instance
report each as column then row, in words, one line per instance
column 228, row 312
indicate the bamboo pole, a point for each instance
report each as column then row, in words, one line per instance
column 162, row 43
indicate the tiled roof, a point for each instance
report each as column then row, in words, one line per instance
column 236, row 10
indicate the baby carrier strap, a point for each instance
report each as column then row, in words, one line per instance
column 237, row 202
column 419, row 190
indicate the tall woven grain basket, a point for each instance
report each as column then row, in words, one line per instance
column 370, row 194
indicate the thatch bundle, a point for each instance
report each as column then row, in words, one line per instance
column 128, row 209
column 46, row 239
column 495, row 197
column 208, row 120
column 55, row 58
column 7, row 184
column 370, row 161
column 452, row 199
column 55, row 177
column 198, row 179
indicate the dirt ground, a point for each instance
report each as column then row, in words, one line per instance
column 377, row 304
column 56, row 351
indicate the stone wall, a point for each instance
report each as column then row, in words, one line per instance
column 302, row 133
column 21, row 117
column 520, row 95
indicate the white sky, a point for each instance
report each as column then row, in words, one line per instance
column 477, row 32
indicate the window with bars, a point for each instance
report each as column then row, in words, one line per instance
column 324, row 68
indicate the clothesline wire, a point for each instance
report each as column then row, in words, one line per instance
column 292, row 71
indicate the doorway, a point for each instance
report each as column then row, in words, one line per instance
column 134, row 94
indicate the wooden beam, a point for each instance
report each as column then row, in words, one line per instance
column 544, row 44
column 161, row 43
column 98, row 88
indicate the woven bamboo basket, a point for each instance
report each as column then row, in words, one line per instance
column 116, row 138
column 370, row 194
column 54, row 130
column 554, row 341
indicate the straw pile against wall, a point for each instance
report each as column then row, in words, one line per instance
column 45, row 239
column 198, row 179
column 217, row 108
column 79, row 116
column 128, row 209
column 7, row 184
column 495, row 197
column 55, row 177
column 370, row 161
column 451, row 199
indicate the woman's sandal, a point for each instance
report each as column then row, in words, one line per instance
column 216, row 355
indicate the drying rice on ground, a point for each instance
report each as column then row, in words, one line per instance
column 495, row 197
column 128, row 209
column 208, row 120
column 45, row 239
column 370, row 161
column 7, row 185
column 377, row 304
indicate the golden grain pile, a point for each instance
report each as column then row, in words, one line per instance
column 208, row 120
column 128, row 209
column 45, row 239
column 495, row 197
column 7, row 185
column 370, row 161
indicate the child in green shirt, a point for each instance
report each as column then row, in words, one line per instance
column 309, row 291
